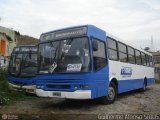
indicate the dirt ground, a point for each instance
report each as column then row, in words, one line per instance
column 134, row 102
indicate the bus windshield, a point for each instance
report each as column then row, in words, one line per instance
column 23, row 64
column 69, row 55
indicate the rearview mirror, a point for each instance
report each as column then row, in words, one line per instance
column 95, row 45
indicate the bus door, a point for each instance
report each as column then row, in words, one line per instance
column 100, row 68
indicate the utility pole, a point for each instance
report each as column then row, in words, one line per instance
column 152, row 44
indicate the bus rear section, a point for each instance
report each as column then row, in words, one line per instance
column 80, row 63
column 130, row 67
column 23, row 68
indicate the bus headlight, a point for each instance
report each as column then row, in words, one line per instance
column 40, row 86
column 75, row 87
column 84, row 86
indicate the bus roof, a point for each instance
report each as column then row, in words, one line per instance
column 66, row 28
column 109, row 35
column 83, row 30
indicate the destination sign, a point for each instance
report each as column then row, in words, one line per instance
column 66, row 33
column 25, row 49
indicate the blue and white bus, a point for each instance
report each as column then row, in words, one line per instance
column 85, row 62
column 22, row 68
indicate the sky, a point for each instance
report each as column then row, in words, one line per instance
column 133, row 21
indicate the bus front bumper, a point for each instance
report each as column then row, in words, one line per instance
column 28, row 89
column 78, row 94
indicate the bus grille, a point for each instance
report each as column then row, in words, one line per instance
column 59, row 86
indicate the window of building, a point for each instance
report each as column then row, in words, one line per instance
column 99, row 55
column 156, row 59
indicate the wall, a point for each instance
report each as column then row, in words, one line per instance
column 10, row 37
column 156, row 56
column 7, row 43
column 4, row 50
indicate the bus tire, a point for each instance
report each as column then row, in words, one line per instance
column 144, row 86
column 29, row 94
column 112, row 94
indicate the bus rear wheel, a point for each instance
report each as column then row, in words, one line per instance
column 112, row 94
column 144, row 85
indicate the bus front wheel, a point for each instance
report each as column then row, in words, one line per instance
column 112, row 94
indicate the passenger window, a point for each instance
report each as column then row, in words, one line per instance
column 150, row 61
column 147, row 59
column 122, row 57
column 131, row 55
column 112, row 54
column 122, row 48
column 99, row 55
column 112, row 49
column 112, row 44
column 138, row 57
column 143, row 59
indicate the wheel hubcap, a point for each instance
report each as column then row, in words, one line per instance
column 111, row 93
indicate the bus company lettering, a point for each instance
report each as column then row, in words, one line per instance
column 126, row 71
column 74, row 67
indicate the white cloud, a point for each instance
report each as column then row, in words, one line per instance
column 131, row 20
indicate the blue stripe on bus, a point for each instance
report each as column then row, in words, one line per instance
column 128, row 85
column 22, row 81
column 123, row 86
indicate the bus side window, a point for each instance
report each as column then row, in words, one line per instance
column 147, row 59
column 150, row 61
column 138, row 57
column 143, row 59
column 112, row 49
column 122, row 49
column 131, row 55
column 99, row 55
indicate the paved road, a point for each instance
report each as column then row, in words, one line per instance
column 134, row 102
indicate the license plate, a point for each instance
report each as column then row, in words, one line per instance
column 30, row 90
column 58, row 94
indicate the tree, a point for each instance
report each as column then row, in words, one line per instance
column 146, row 48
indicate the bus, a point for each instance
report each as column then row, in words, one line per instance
column 84, row 62
column 22, row 68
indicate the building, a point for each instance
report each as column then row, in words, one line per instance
column 157, row 64
column 7, row 43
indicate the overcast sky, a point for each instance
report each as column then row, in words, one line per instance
column 134, row 21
